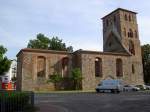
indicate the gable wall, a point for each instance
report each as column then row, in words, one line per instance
column 28, row 74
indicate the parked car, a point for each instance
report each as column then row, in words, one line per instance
column 130, row 88
column 147, row 87
column 142, row 87
column 110, row 85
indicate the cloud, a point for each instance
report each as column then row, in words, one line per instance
column 144, row 29
column 75, row 21
column 9, row 39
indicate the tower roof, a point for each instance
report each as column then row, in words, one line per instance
column 118, row 10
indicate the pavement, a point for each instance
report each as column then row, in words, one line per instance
column 93, row 102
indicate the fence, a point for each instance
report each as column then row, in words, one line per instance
column 14, row 101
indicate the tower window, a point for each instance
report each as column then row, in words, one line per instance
column 130, row 33
column 107, row 23
column 119, row 69
column 132, row 18
column 131, row 47
column 129, row 18
column 111, row 23
column 133, row 70
column 98, row 67
column 110, row 44
column 136, row 35
column 124, row 31
column 114, row 19
column 125, row 17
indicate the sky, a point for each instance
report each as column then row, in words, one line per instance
column 77, row 22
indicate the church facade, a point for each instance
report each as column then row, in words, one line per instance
column 120, row 59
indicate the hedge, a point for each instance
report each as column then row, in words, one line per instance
column 15, row 101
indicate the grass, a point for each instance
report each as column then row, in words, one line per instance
column 70, row 91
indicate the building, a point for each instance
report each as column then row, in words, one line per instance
column 6, row 79
column 120, row 59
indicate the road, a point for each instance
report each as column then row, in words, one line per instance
column 94, row 102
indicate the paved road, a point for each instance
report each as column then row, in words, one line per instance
column 93, row 102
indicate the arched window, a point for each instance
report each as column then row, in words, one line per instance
column 119, row 69
column 110, row 44
column 129, row 18
column 131, row 47
column 114, row 19
column 41, row 66
column 133, row 70
column 130, row 33
column 107, row 23
column 65, row 63
column 125, row 17
column 98, row 67
column 124, row 31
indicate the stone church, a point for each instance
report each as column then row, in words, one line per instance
column 120, row 59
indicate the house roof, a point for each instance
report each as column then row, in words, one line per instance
column 102, row 53
column 118, row 10
column 41, row 51
column 65, row 52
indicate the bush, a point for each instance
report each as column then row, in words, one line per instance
column 76, row 77
column 14, row 101
column 56, row 79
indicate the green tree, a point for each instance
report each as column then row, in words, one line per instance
column 76, row 76
column 70, row 49
column 4, row 62
column 43, row 42
column 55, row 79
column 14, row 79
column 146, row 62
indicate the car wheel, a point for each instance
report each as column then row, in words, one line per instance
column 112, row 91
column 124, row 89
column 97, row 90
column 134, row 90
column 116, row 91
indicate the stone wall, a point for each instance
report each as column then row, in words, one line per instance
column 85, row 60
column 109, row 70
column 27, row 73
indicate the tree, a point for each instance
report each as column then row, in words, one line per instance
column 57, row 44
column 70, row 49
column 56, row 79
column 14, row 79
column 43, row 42
column 76, row 76
column 146, row 62
column 4, row 62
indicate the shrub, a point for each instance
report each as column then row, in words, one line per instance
column 56, row 79
column 14, row 101
column 76, row 77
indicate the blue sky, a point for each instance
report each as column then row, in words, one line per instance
column 77, row 22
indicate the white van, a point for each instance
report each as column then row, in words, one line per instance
column 110, row 85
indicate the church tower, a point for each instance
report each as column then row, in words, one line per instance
column 120, row 35
column 120, row 32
